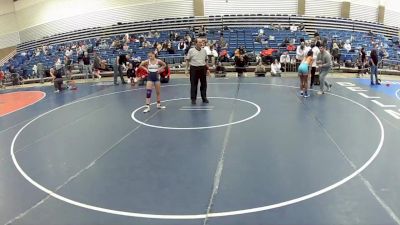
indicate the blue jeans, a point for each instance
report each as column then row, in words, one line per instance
column 374, row 71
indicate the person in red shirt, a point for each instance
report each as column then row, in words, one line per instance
column 266, row 55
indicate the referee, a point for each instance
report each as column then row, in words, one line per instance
column 197, row 59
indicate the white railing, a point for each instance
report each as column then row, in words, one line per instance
column 8, row 57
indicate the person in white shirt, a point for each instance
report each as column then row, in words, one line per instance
column 300, row 51
column 347, row 46
column 307, row 48
column 316, row 51
column 276, row 69
column 285, row 60
column 293, row 28
column 69, row 52
column 34, row 70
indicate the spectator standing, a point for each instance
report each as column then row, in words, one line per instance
column 300, row 52
column 316, row 51
column 363, row 59
column 120, row 64
column 87, row 68
column 285, row 61
column 68, row 68
column 335, row 53
column 373, row 62
column 96, row 66
column 40, row 70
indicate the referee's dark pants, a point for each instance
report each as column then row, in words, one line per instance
column 198, row 73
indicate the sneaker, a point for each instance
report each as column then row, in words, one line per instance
column 159, row 106
column 206, row 101
column 146, row 109
column 306, row 95
column 193, row 102
column 57, row 91
column 320, row 92
column 99, row 77
column 378, row 83
column 301, row 93
column 329, row 87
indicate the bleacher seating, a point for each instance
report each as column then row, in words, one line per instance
column 243, row 30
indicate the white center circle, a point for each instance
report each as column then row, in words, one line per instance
column 258, row 110
column 198, row 216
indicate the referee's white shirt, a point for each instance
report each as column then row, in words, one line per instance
column 196, row 57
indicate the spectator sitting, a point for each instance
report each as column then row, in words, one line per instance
column 261, row 32
column 240, row 65
column 271, row 38
column 182, row 45
column 371, row 33
column 258, row 39
column 69, row 52
column 125, row 48
column 266, row 55
column 222, row 41
column 98, row 41
column 276, row 69
column 188, row 39
column 170, row 49
column 126, row 39
column 37, row 52
column 291, row 47
column 293, row 28
column 156, row 34
column 260, row 70
column 301, row 27
column 202, row 31
column 220, row 70
column 347, row 46
column 285, row 42
column 223, row 56
column 164, row 46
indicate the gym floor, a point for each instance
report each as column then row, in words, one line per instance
column 257, row 154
